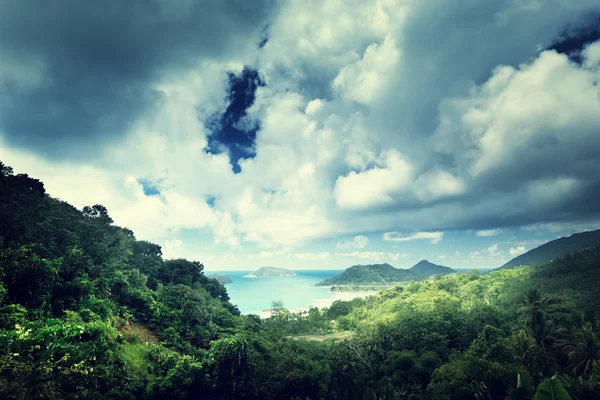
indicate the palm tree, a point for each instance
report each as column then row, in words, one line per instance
column 537, row 315
column 534, row 315
column 584, row 355
column 524, row 348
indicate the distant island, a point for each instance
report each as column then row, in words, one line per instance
column 385, row 274
column 270, row 271
column 555, row 249
column 222, row 279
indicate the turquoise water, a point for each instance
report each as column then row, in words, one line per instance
column 252, row 295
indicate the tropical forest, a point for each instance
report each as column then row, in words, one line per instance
column 89, row 312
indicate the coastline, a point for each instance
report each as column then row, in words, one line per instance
column 326, row 302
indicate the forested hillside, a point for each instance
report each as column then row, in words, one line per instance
column 365, row 274
column 424, row 269
column 89, row 312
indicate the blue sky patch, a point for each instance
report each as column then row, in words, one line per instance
column 232, row 132
column 150, row 188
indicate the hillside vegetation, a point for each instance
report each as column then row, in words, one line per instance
column 87, row 311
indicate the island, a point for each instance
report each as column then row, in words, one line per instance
column 358, row 277
column 222, row 279
column 270, row 271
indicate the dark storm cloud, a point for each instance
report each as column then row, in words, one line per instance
column 79, row 71
column 447, row 46
column 573, row 41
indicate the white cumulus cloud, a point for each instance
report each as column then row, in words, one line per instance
column 516, row 251
column 359, row 242
column 435, row 237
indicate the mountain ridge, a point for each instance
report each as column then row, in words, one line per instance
column 425, row 268
column 555, row 249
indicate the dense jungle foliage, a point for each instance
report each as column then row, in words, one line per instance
column 89, row 312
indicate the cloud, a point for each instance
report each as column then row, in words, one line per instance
column 171, row 248
column 516, row 251
column 362, row 80
column 519, row 119
column 563, row 227
column 375, row 256
column 359, row 242
column 375, row 187
column 312, row 256
column 492, row 255
column 488, row 232
column 397, row 115
column 394, row 181
column 77, row 76
column 592, row 56
column 435, row 237
column 494, row 251
column 270, row 254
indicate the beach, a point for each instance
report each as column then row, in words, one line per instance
column 326, row 302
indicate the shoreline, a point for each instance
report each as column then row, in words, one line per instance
column 326, row 302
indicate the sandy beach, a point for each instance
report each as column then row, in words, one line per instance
column 326, row 302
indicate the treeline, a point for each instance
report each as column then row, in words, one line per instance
column 87, row 311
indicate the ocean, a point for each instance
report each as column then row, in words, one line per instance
column 252, row 295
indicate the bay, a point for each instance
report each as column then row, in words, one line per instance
column 252, row 295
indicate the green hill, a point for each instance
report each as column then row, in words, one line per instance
column 555, row 249
column 425, row 269
column 367, row 274
column 385, row 273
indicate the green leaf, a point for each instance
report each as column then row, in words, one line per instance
column 524, row 382
column 551, row 389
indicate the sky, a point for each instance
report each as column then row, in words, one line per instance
column 312, row 134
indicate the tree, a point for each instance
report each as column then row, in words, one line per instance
column 97, row 211
column 536, row 314
column 584, row 355
column 276, row 306
column 180, row 271
column 28, row 279
column 5, row 170
column 339, row 308
column 523, row 348
column 232, row 367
